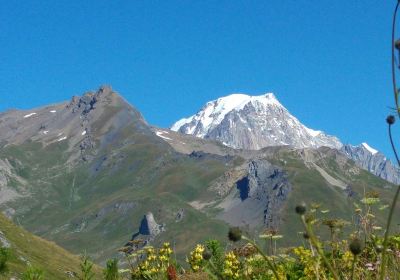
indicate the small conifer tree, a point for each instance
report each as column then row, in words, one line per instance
column 111, row 270
column 86, row 268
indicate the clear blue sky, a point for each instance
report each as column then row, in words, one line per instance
column 328, row 62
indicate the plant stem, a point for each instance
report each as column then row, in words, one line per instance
column 393, row 206
column 218, row 275
column 317, row 262
column 353, row 268
column 270, row 264
column 314, row 242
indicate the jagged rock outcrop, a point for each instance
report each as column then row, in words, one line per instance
column 373, row 161
column 4, row 241
column 148, row 226
column 148, row 231
column 180, row 215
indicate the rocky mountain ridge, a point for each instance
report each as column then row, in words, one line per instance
column 96, row 200
column 373, row 161
column 248, row 122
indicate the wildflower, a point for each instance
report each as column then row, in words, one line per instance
column 196, row 258
column 171, row 273
column 231, row 266
column 348, row 259
column 370, row 266
column 278, row 236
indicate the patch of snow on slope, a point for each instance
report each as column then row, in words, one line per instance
column 83, row 133
column 371, row 150
column 45, row 132
column 312, row 132
column 29, row 115
column 53, row 111
column 160, row 134
column 62, row 138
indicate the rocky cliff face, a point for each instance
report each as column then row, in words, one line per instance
column 252, row 122
column 148, row 226
column 373, row 161
column 85, row 121
column 258, row 196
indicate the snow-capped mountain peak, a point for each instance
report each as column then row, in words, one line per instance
column 215, row 111
column 252, row 122
column 369, row 149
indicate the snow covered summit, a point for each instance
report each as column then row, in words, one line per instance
column 252, row 122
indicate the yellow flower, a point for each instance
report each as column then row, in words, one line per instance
column 196, row 258
column 231, row 266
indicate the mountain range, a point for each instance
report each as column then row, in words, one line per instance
column 91, row 174
column 248, row 122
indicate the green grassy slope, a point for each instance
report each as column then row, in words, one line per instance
column 26, row 249
column 97, row 206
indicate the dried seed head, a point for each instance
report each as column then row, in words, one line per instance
column 206, row 255
column 397, row 44
column 234, row 234
column 390, row 119
column 301, row 209
column 356, row 246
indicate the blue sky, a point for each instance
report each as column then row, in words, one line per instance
column 328, row 62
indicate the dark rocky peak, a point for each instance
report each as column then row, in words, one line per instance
column 90, row 99
column 149, row 226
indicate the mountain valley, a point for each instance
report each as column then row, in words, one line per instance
column 91, row 174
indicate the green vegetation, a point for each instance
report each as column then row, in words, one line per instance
column 358, row 256
column 111, row 270
column 31, row 256
column 86, row 269
column 33, row 273
column 4, row 258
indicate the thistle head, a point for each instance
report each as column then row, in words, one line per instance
column 234, row 234
column 356, row 246
column 390, row 119
column 397, row 44
column 301, row 209
column 206, row 255
column 305, row 235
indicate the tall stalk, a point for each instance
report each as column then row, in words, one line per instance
column 269, row 263
column 396, row 98
column 314, row 242
column 392, row 208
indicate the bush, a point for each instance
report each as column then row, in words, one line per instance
column 33, row 273
column 4, row 258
